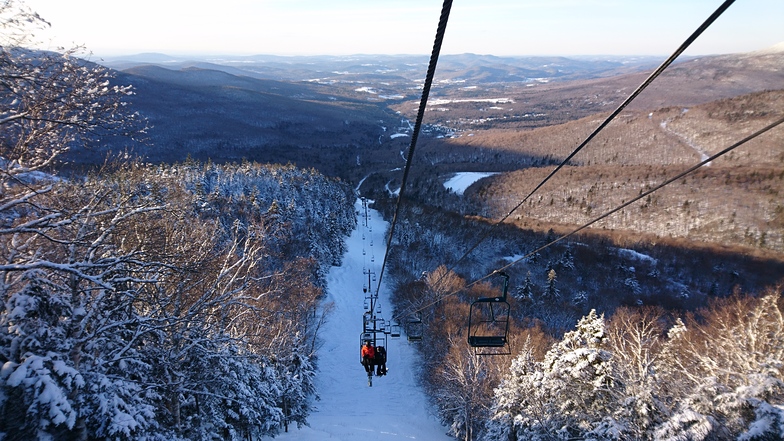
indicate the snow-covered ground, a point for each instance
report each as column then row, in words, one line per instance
column 395, row 408
column 460, row 181
column 703, row 155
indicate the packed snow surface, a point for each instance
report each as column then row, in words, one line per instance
column 632, row 254
column 460, row 181
column 395, row 407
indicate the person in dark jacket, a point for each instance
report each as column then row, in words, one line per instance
column 381, row 360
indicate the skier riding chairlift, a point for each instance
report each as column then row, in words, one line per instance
column 380, row 361
column 368, row 356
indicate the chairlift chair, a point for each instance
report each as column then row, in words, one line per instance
column 488, row 324
column 414, row 328
column 376, row 339
column 394, row 330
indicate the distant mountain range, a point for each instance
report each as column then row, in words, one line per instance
column 334, row 113
column 466, row 67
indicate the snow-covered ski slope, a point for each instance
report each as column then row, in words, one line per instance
column 395, row 408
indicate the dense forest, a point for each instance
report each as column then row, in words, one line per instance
column 647, row 325
column 629, row 299
column 149, row 301
column 671, row 296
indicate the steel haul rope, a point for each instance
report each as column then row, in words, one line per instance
column 614, row 210
column 604, row 124
column 446, row 8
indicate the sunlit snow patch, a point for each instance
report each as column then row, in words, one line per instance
column 463, row 180
column 631, row 254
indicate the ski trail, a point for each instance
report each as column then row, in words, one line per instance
column 395, row 408
column 360, row 182
column 687, row 141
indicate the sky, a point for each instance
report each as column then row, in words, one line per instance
column 395, row 407
column 345, row 27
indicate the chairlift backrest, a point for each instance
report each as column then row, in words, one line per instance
column 394, row 331
column 415, row 328
column 488, row 322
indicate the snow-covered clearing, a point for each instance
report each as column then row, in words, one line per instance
column 514, row 258
column 395, row 408
column 441, row 102
column 460, row 181
column 390, row 191
column 686, row 140
column 632, row 254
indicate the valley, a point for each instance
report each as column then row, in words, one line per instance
column 250, row 247
column 514, row 118
column 264, row 159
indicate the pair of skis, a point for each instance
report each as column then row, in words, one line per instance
column 370, row 378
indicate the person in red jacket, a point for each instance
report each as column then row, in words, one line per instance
column 368, row 355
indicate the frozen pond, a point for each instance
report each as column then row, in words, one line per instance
column 460, row 181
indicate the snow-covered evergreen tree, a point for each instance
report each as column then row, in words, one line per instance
column 521, row 406
column 567, row 260
column 551, row 293
column 297, row 374
column 525, row 292
column 568, row 395
column 579, row 376
column 37, row 375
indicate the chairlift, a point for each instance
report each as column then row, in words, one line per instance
column 366, row 325
column 414, row 328
column 371, row 323
column 488, row 324
column 394, row 330
column 378, row 340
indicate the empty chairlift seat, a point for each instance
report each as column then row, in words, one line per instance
column 488, row 323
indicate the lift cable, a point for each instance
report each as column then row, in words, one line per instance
column 614, row 210
column 601, row 127
column 447, row 6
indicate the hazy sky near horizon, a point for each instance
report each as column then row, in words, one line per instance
column 343, row 27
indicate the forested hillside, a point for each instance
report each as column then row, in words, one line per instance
column 149, row 301
column 662, row 292
column 736, row 200
column 168, row 302
column 641, row 373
